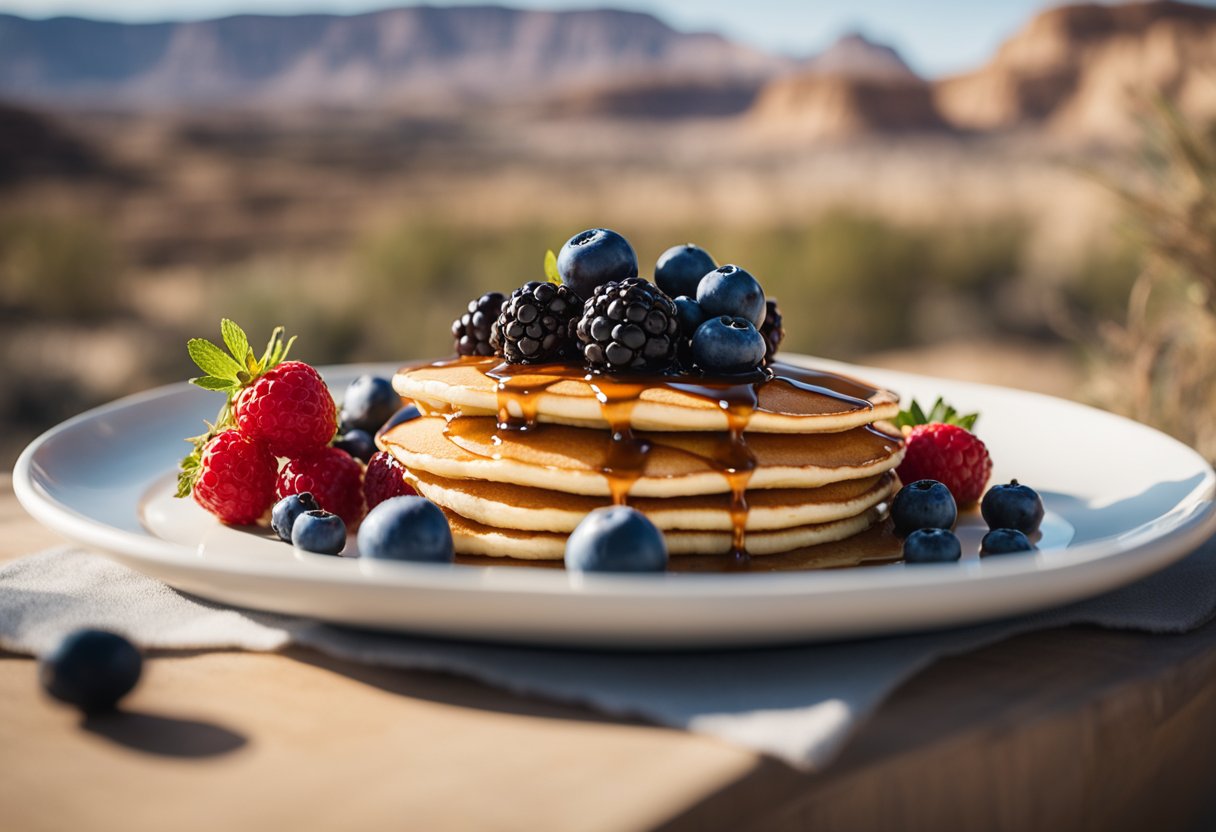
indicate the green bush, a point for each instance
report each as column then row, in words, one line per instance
column 59, row 268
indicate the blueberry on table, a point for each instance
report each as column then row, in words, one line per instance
column 1012, row 506
column 358, row 443
column 1005, row 542
column 932, row 546
column 925, row 504
column 319, row 532
column 616, row 539
column 406, row 528
column 594, row 257
column 370, row 401
column 283, row 515
column 681, row 268
column 729, row 290
column 91, row 669
column 727, row 345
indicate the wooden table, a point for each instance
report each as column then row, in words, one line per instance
column 1071, row 729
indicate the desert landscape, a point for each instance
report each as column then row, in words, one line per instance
column 358, row 178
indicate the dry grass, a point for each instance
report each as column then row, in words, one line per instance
column 1156, row 363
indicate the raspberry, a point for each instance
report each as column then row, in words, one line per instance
column 949, row 454
column 535, row 324
column 333, row 477
column 235, row 479
column 772, row 330
column 471, row 330
column 629, row 325
column 384, row 478
column 289, row 408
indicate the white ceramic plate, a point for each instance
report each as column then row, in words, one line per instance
column 1123, row 501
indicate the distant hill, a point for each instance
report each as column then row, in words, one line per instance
column 856, row 56
column 1073, row 70
column 36, row 146
column 855, row 87
column 414, row 54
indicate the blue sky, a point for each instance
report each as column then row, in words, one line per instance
column 935, row 36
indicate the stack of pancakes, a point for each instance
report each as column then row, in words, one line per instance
column 517, row 456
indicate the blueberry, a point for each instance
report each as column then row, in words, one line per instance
column 729, row 290
column 406, row 528
column 370, row 401
column 319, row 532
column 689, row 314
column 727, row 345
column 681, row 268
column 283, row 515
column 1005, row 542
column 358, row 443
column 616, row 539
column 925, row 504
column 932, row 546
column 405, row 414
column 91, row 669
column 594, row 257
column 1013, row 506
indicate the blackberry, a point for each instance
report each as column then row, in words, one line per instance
column 772, row 330
column 536, row 324
column 629, row 325
column 471, row 330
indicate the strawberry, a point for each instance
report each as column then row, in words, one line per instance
column 278, row 407
column 289, row 408
column 942, row 447
column 384, row 478
column 334, row 477
column 234, row 478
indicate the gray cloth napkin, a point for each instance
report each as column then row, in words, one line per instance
column 800, row 704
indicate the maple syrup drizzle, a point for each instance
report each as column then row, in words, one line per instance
column 519, row 388
column 625, row 458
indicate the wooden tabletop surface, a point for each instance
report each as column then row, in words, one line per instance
column 1072, row 729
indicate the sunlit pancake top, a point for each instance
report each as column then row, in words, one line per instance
column 792, row 400
column 579, row 461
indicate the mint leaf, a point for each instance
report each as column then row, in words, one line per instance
column 236, row 341
column 551, row 271
column 211, row 359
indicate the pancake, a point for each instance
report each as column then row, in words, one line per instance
column 517, row 507
column 574, row 460
column 472, row 538
column 796, row 400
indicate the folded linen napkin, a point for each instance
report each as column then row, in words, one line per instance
column 800, row 704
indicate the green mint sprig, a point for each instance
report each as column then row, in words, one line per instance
column 551, row 272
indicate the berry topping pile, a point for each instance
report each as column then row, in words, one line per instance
column 696, row 318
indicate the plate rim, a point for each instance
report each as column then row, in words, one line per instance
column 1191, row 522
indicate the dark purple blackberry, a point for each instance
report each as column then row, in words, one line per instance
column 536, row 324
column 471, row 330
column 629, row 325
column 772, row 330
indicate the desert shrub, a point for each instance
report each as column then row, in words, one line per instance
column 59, row 268
column 1154, row 363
